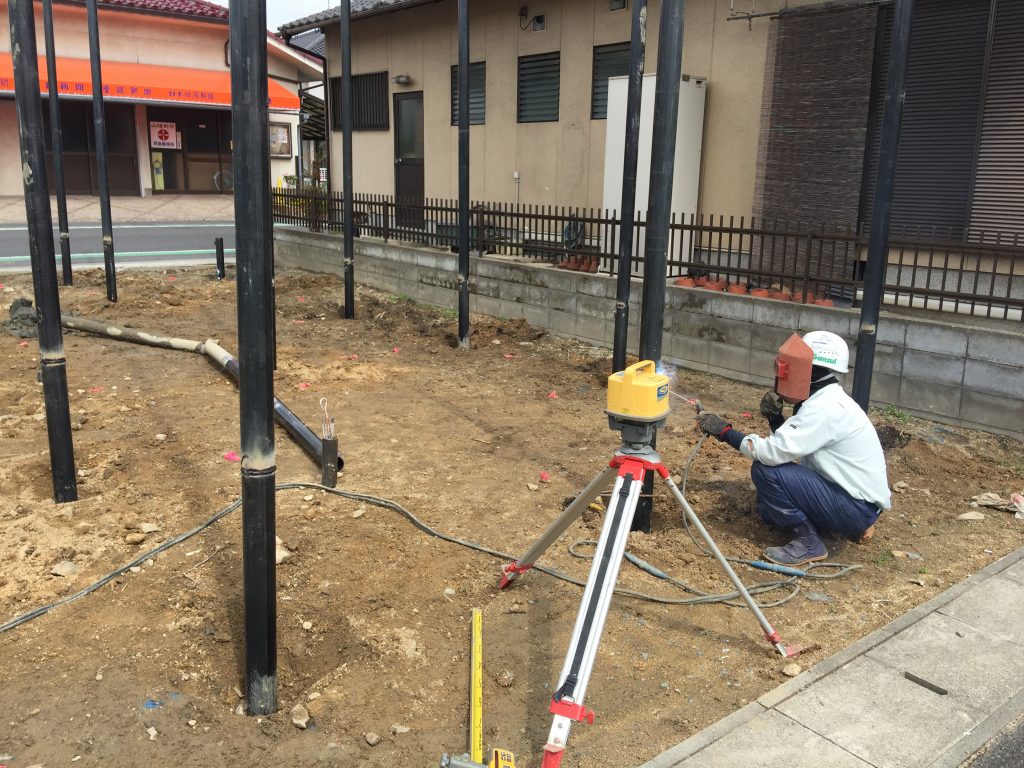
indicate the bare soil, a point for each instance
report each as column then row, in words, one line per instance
column 373, row 614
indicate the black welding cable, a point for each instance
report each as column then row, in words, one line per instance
column 387, row 504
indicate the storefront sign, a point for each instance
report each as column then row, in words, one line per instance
column 162, row 135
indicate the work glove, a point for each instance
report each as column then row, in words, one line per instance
column 771, row 409
column 713, row 425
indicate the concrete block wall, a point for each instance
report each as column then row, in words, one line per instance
column 946, row 371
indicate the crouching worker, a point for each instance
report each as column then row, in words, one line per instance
column 840, row 482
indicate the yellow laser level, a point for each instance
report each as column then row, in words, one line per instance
column 638, row 393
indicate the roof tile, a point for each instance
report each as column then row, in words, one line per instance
column 195, row 8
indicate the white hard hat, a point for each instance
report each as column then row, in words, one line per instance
column 830, row 351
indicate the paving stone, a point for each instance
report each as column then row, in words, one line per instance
column 769, row 741
column 1015, row 572
column 994, row 606
column 980, row 670
column 871, row 710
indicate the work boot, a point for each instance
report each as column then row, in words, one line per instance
column 806, row 547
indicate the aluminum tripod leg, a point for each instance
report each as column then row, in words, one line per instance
column 769, row 631
column 558, row 527
column 567, row 702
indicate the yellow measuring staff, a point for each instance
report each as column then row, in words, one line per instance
column 502, row 758
column 476, row 684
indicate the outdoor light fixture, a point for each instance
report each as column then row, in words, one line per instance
column 401, row 80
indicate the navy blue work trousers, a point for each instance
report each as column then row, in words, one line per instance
column 791, row 494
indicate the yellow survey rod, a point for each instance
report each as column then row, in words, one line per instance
column 476, row 689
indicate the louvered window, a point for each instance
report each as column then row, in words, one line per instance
column 997, row 205
column 938, row 135
column 539, row 88
column 477, row 93
column 370, row 110
column 609, row 61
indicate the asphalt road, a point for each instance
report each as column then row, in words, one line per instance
column 143, row 244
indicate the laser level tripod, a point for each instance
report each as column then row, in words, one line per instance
column 637, row 406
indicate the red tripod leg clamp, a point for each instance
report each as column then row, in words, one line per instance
column 576, row 712
column 510, row 571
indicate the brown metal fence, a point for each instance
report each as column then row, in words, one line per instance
column 801, row 261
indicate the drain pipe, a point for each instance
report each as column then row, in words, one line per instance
column 284, row 416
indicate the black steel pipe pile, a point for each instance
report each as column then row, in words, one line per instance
column 627, row 213
column 57, row 143
column 53, row 367
column 254, row 279
column 346, row 155
column 463, row 117
column 99, row 121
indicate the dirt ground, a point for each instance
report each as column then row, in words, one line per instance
column 373, row 614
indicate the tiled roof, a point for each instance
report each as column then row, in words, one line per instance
column 194, row 8
column 359, row 8
column 312, row 41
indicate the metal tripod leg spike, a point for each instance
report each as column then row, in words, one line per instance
column 630, row 465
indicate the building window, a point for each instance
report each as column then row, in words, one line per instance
column 616, row 5
column 370, row 108
column 538, row 88
column 961, row 162
column 477, row 93
column 609, row 61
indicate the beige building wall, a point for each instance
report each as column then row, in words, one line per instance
column 560, row 162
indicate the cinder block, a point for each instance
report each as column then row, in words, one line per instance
column 776, row 314
column 486, row 267
column 485, row 286
column 592, row 306
column 538, row 316
column 485, row 305
column 888, row 359
column 994, row 378
column 733, row 332
column 933, row 368
column 932, row 337
column 688, row 299
column 594, row 285
column 1002, row 414
column 996, row 347
column 688, row 348
column 814, row 318
column 563, row 323
column 926, row 397
column 510, row 310
column 763, row 364
column 595, row 330
column 509, row 290
column 729, row 357
column 885, row 387
column 731, row 306
column 891, row 330
column 768, row 339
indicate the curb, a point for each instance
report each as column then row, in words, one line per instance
column 956, row 754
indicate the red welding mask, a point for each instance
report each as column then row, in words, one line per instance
column 793, row 369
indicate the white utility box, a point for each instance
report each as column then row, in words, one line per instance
column 689, row 140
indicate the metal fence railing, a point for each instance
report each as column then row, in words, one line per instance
column 786, row 260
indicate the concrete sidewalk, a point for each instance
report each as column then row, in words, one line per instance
column 85, row 209
column 860, row 708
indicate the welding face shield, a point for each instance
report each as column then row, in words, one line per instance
column 793, row 370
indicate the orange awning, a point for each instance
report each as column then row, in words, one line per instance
column 145, row 82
